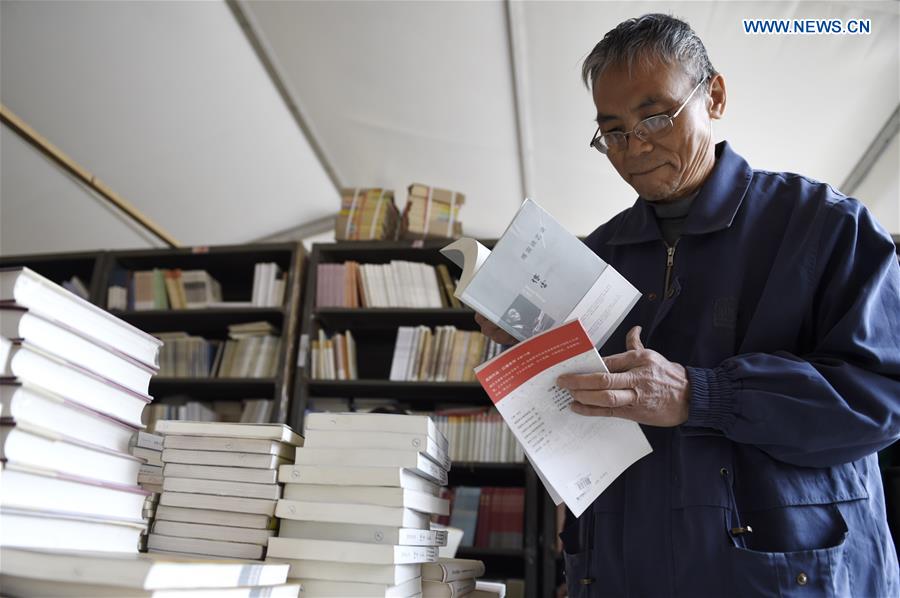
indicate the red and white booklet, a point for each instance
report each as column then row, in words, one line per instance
column 576, row 456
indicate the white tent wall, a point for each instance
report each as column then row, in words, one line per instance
column 168, row 104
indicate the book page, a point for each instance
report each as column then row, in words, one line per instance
column 605, row 305
column 579, row 456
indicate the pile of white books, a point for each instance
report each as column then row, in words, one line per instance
column 148, row 447
column 220, row 487
column 358, row 502
column 74, row 384
column 25, row 572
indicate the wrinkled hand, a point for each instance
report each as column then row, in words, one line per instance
column 642, row 386
column 494, row 332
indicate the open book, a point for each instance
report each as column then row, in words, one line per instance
column 576, row 457
column 538, row 276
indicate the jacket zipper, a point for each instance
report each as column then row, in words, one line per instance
column 670, row 262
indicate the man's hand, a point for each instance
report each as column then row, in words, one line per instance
column 494, row 332
column 643, row 386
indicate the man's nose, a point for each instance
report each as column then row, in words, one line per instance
column 637, row 146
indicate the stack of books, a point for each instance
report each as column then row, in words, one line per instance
column 74, row 384
column 333, row 358
column 444, row 354
column 450, row 577
column 148, row 447
column 355, row 517
column 25, row 572
column 220, row 487
column 399, row 283
column 268, row 285
column 367, row 215
column 432, row 213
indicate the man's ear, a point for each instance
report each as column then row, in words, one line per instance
column 717, row 97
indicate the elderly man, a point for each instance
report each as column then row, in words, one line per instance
column 763, row 360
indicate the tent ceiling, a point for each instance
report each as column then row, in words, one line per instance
column 167, row 103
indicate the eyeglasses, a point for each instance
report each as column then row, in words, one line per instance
column 646, row 130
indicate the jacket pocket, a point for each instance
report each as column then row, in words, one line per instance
column 816, row 572
column 592, row 549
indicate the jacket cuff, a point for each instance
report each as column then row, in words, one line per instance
column 712, row 393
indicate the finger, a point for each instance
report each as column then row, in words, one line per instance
column 622, row 362
column 591, row 411
column 605, row 398
column 633, row 339
column 597, row 381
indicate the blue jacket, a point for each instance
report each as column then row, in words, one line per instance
column 784, row 306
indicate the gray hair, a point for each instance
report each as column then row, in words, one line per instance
column 644, row 38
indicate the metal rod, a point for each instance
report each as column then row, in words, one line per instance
column 872, row 153
column 69, row 165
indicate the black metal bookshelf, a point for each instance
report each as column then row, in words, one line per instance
column 375, row 332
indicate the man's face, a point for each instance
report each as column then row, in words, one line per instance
column 674, row 164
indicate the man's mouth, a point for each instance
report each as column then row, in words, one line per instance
column 643, row 172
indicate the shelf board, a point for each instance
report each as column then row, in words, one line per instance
column 475, row 552
column 386, row 318
column 468, row 391
column 218, row 389
column 210, row 320
column 469, row 473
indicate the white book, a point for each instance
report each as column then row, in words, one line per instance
column 415, row 353
column 32, row 488
column 45, row 371
column 221, row 458
column 149, row 480
column 349, row 513
column 28, row 528
column 350, row 552
column 222, row 533
column 379, row 440
column 417, row 462
column 220, row 488
column 376, row 422
column 255, row 295
column 234, row 550
column 28, row 404
column 142, row 439
column 19, row 586
column 448, row 569
column 229, row 444
column 449, row 589
column 398, row 363
column 356, row 476
column 278, row 432
column 32, row 446
column 31, row 290
column 359, row 572
column 61, row 340
column 540, row 275
column 385, row 497
column 256, row 506
column 138, row 571
column 227, row 474
column 350, row 589
column 575, row 457
column 150, row 456
column 352, row 532
column 211, row 517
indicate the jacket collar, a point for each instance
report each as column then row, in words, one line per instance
column 713, row 209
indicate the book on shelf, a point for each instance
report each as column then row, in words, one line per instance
column 447, row 589
column 250, row 411
column 478, row 435
column 333, row 358
column 452, row 569
column 399, row 283
column 251, row 351
column 432, row 213
column 442, row 354
column 268, row 285
column 576, row 457
column 77, row 287
column 490, row 517
column 539, row 275
column 367, row 214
